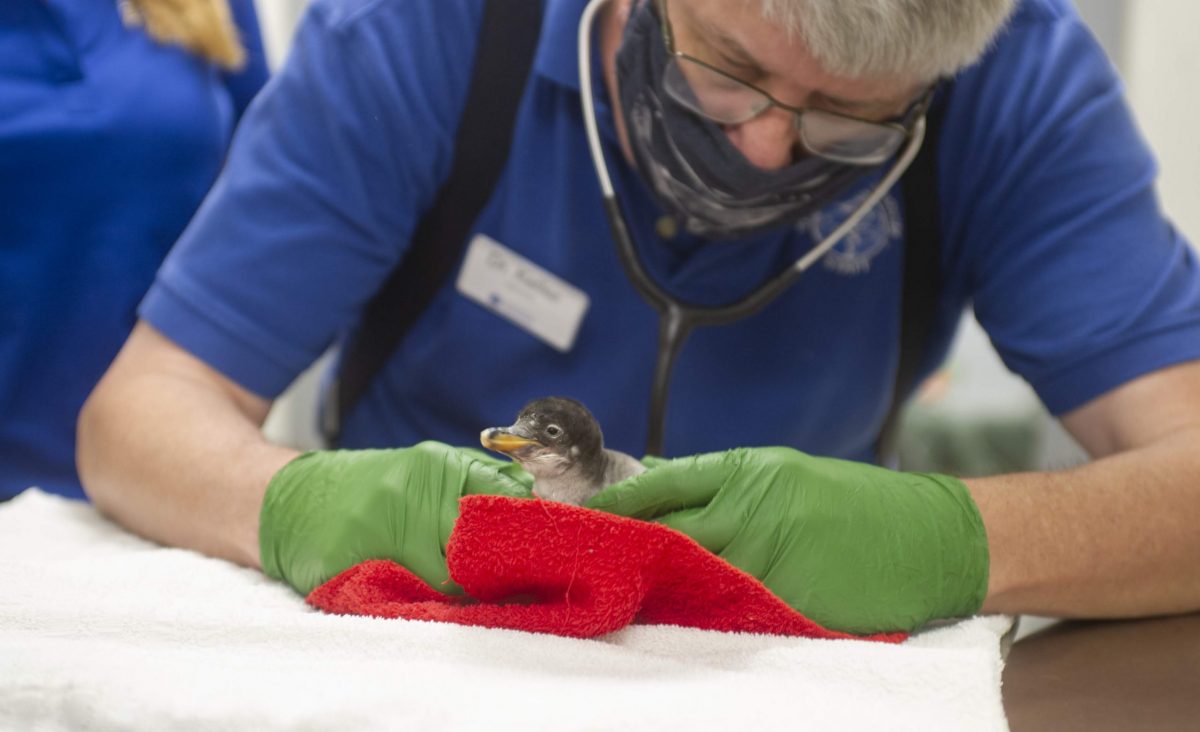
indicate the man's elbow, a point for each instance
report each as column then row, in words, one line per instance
column 109, row 424
column 93, row 458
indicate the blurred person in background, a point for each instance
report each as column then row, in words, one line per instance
column 114, row 121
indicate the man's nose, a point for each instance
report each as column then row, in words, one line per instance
column 768, row 141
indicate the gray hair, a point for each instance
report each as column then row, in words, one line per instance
column 925, row 39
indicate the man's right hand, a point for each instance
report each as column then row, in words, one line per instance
column 327, row 511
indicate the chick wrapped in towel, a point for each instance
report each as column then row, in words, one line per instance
column 559, row 442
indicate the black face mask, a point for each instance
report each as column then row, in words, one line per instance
column 694, row 171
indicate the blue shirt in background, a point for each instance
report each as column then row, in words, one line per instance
column 108, row 143
column 1051, row 225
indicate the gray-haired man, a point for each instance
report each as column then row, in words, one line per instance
column 738, row 134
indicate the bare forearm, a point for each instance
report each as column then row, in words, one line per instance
column 176, row 458
column 1118, row 537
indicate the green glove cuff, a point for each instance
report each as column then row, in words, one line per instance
column 273, row 525
column 896, row 549
column 962, row 546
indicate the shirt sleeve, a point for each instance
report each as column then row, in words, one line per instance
column 328, row 173
column 248, row 80
column 1074, row 272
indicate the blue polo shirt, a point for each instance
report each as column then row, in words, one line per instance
column 108, row 143
column 1052, row 231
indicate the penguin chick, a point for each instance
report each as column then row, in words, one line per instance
column 558, row 441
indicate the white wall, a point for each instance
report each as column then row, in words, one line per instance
column 1161, row 65
column 278, row 20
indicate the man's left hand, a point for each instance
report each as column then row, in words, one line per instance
column 852, row 546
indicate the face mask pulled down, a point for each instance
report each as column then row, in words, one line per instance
column 696, row 174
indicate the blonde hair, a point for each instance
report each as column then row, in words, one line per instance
column 204, row 27
column 888, row 38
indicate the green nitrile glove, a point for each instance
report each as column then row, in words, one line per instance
column 852, row 546
column 327, row 511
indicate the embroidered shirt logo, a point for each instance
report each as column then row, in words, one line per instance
column 853, row 254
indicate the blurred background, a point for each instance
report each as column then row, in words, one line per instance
column 975, row 417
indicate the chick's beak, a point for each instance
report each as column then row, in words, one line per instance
column 501, row 440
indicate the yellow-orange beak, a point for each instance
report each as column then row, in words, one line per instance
column 503, row 441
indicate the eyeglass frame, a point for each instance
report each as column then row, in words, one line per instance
column 915, row 110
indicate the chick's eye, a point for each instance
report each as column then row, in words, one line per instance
column 553, row 430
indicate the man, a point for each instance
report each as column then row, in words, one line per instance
column 1050, row 228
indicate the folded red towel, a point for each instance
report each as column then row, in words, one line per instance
column 553, row 568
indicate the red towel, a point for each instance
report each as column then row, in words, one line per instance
column 549, row 567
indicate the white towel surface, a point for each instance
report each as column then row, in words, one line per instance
column 102, row 630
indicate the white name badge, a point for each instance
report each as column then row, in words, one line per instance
column 518, row 290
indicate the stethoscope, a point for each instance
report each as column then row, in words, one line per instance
column 677, row 319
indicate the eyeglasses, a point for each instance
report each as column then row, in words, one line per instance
column 716, row 95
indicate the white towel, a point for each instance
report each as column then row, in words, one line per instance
column 102, row 630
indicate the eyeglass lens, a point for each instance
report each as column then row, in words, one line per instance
column 727, row 101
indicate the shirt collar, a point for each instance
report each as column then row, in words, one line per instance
column 557, row 55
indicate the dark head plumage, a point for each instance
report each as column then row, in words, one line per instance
column 558, row 440
column 557, row 426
